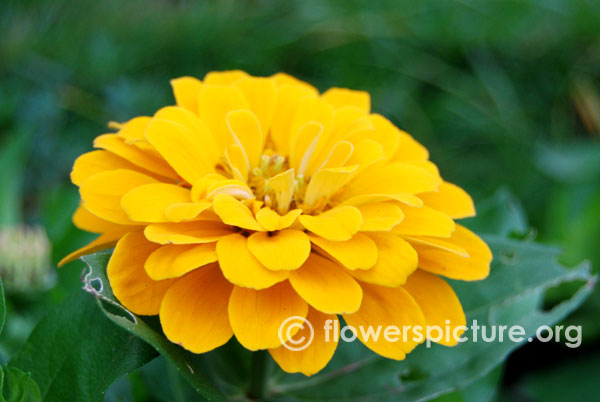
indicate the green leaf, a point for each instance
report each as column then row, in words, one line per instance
column 192, row 367
column 484, row 389
column 501, row 214
column 162, row 381
column 511, row 295
column 17, row 386
column 75, row 352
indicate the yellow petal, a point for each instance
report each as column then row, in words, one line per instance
column 337, row 151
column 384, row 132
column 238, row 162
column 288, row 99
column 173, row 260
column 339, row 97
column 313, row 110
column 195, row 126
column 397, row 260
column 409, row 149
column 339, row 155
column 148, row 203
column 241, row 268
column 319, row 352
column 200, row 187
column 437, row 243
column 102, row 193
column 133, row 154
column 327, row 182
column 430, row 167
column 383, row 308
column 195, row 232
column 102, row 242
column 214, row 103
column 184, row 151
column 360, row 252
column 451, row 200
column 424, row 221
column 338, row 224
column 193, row 313
column 271, row 220
column 283, row 187
column 380, row 216
column 439, row 305
column 95, row 162
column 186, row 90
column 233, row 212
column 348, row 121
column 366, row 152
column 472, row 267
column 392, row 179
column 261, row 94
column 283, row 79
column 224, row 77
column 326, row 286
column 128, row 279
column 255, row 206
column 408, row 199
column 133, row 130
column 180, row 212
column 85, row 220
column 234, row 188
column 245, row 129
column 257, row 315
column 282, row 250
column 303, row 145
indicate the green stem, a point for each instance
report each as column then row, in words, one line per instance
column 258, row 375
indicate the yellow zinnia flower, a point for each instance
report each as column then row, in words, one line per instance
column 257, row 199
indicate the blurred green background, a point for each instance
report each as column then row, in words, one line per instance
column 505, row 94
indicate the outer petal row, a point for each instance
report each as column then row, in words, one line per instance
column 202, row 310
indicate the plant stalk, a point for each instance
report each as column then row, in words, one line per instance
column 258, row 375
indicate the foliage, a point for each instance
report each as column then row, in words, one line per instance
column 75, row 353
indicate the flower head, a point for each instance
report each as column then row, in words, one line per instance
column 257, row 199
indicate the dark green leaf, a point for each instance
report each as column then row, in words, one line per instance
column 190, row 366
column 161, row 379
column 75, row 352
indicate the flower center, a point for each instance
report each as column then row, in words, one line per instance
column 277, row 185
column 271, row 165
